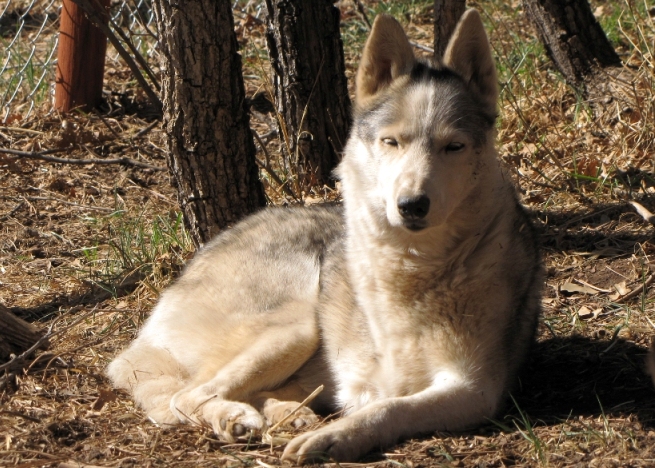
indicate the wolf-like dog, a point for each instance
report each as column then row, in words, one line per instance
column 414, row 304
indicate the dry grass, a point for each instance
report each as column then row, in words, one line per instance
column 85, row 251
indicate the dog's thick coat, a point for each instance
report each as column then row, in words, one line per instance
column 414, row 306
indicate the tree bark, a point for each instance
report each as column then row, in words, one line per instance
column 211, row 148
column 311, row 91
column 16, row 335
column 446, row 16
column 573, row 39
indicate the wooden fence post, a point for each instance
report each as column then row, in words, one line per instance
column 80, row 60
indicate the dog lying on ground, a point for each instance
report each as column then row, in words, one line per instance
column 414, row 305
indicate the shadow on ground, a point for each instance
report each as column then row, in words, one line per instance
column 578, row 376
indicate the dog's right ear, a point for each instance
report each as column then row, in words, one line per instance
column 387, row 55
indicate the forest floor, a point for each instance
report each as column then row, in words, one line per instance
column 86, row 249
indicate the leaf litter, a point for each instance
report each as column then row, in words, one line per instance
column 77, row 255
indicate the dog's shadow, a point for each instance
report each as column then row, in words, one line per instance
column 578, row 376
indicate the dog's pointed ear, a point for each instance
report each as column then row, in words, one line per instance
column 387, row 55
column 469, row 54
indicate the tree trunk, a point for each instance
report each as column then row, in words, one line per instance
column 311, row 91
column 446, row 16
column 16, row 335
column 211, row 148
column 580, row 50
column 573, row 39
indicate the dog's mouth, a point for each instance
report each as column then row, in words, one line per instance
column 415, row 226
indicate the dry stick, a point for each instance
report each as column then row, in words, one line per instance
column 422, row 47
column 269, row 433
column 111, row 129
column 59, row 200
column 145, row 130
column 362, row 11
column 20, row 415
column 137, row 54
column 22, row 130
column 284, row 134
column 42, row 156
column 270, row 171
column 17, row 361
column 13, row 211
column 635, row 292
column 95, row 15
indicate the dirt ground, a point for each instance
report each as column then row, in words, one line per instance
column 85, row 250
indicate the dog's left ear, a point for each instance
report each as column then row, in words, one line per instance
column 469, row 54
column 387, row 55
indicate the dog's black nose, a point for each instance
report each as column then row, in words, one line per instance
column 412, row 208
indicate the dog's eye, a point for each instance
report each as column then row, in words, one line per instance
column 454, row 147
column 390, row 141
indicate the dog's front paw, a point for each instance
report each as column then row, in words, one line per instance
column 230, row 419
column 335, row 442
column 275, row 411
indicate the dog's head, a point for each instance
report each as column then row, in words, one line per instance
column 423, row 133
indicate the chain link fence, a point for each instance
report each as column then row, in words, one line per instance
column 29, row 32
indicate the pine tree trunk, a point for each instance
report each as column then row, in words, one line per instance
column 446, row 16
column 573, row 39
column 211, row 148
column 311, row 91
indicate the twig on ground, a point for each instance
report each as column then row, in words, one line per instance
column 44, row 157
column 22, row 130
column 58, row 200
column 421, row 47
column 13, row 211
column 268, row 435
column 20, row 415
column 639, row 289
column 145, row 130
column 111, row 129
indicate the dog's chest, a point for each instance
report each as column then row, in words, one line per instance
column 382, row 344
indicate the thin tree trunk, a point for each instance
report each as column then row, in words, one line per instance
column 311, row 90
column 573, row 39
column 212, row 153
column 446, row 16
